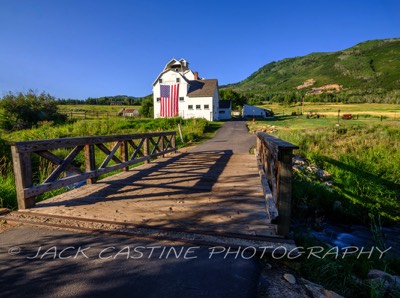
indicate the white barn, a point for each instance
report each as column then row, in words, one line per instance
column 178, row 91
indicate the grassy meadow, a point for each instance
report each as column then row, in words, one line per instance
column 112, row 109
column 363, row 110
column 362, row 155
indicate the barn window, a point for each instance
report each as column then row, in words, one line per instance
column 198, row 107
column 178, row 80
column 158, row 99
column 190, row 107
column 206, row 107
column 181, row 99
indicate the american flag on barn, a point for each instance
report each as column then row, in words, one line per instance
column 169, row 100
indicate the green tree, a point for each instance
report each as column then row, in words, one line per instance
column 147, row 107
column 20, row 111
column 237, row 99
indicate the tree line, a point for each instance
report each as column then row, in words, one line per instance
column 104, row 100
column 372, row 95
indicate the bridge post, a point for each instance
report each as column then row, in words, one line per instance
column 162, row 145
column 173, row 141
column 285, row 191
column 23, row 177
column 276, row 159
column 124, row 154
column 90, row 162
column 146, row 145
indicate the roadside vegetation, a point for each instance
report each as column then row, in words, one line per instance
column 361, row 157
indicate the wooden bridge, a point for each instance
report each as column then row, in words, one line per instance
column 206, row 197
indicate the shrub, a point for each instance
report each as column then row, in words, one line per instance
column 20, row 111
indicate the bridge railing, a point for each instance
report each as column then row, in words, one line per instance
column 275, row 165
column 101, row 155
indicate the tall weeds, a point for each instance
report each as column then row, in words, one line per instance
column 364, row 163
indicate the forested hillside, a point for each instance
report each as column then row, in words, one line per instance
column 367, row 72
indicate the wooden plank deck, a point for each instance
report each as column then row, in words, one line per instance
column 206, row 191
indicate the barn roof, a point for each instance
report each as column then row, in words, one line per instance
column 202, row 88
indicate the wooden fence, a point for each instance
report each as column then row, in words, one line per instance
column 275, row 165
column 120, row 151
column 90, row 114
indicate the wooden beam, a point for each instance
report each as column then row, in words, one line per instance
column 111, row 154
column 162, row 145
column 146, row 148
column 57, row 161
column 108, row 153
column 137, row 148
column 23, row 177
column 31, row 146
column 124, row 153
column 269, row 199
column 285, row 192
column 276, row 159
column 64, row 164
column 173, row 141
column 155, row 145
column 90, row 162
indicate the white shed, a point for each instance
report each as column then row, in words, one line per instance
column 253, row 111
column 225, row 108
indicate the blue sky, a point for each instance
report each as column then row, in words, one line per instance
column 93, row 48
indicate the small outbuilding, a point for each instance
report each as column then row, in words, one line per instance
column 129, row 113
column 253, row 111
column 224, row 109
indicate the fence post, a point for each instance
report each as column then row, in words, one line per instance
column 23, row 176
column 124, row 154
column 90, row 162
column 173, row 141
column 146, row 148
column 162, row 145
column 285, row 191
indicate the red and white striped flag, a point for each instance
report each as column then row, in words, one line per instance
column 169, row 100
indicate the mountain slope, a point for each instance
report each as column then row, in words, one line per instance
column 372, row 66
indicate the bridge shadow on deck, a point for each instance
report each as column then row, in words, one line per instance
column 211, row 190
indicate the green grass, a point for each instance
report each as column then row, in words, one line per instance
column 7, row 190
column 392, row 111
column 361, row 155
column 112, row 109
